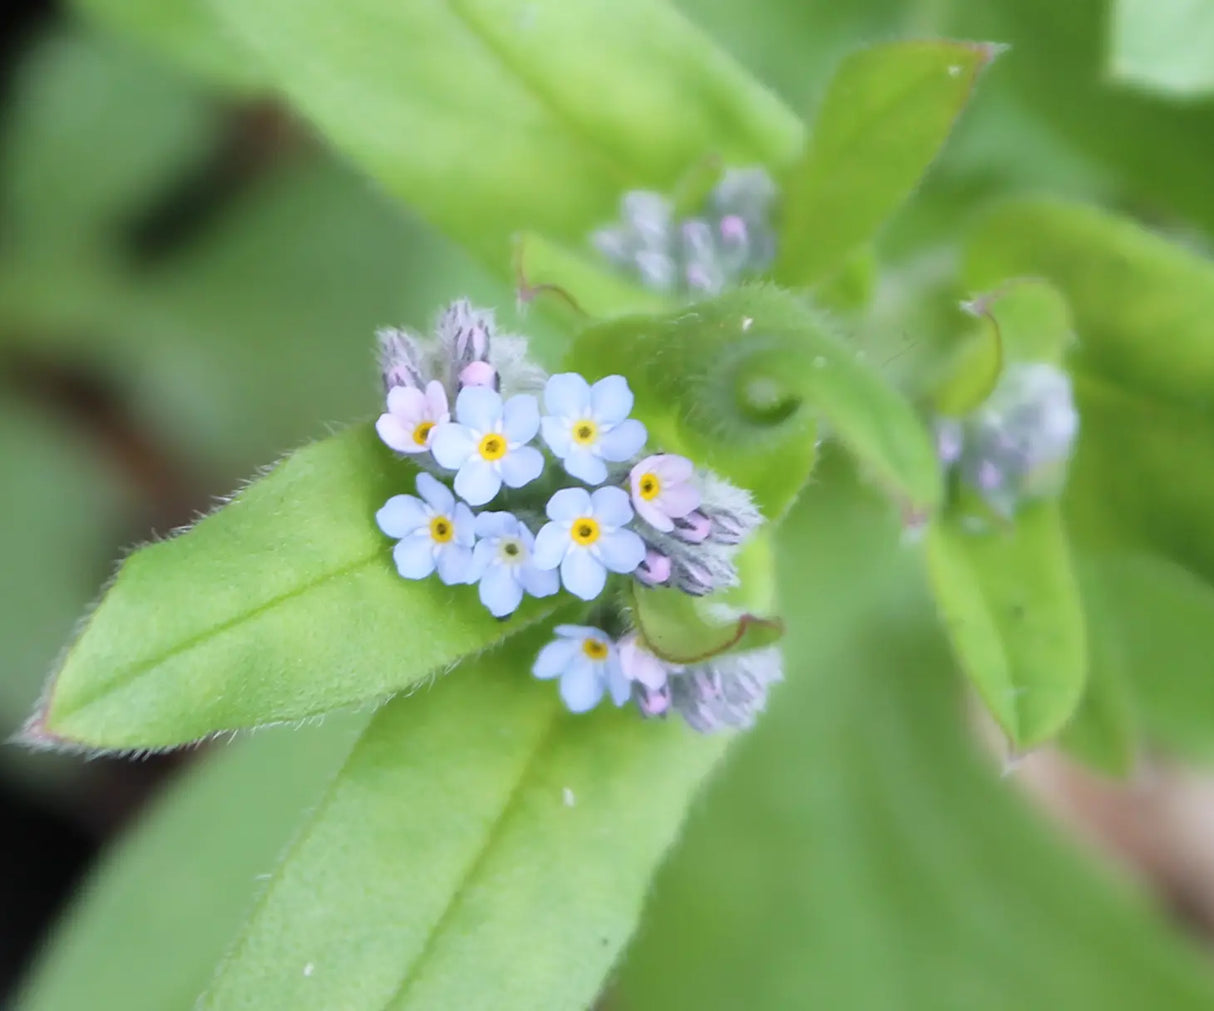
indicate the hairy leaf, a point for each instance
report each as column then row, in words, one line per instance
column 887, row 112
column 481, row 847
column 283, row 604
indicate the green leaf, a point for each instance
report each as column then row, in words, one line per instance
column 857, row 853
column 1150, row 622
column 684, row 629
column 887, row 112
column 282, row 605
column 1103, row 732
column 1164, row 45
column 481, row 848
column 162, row 906
column 496, row 116
column 185, row 32
column 738, row 383
column 1143, row 306
column 1010, row 603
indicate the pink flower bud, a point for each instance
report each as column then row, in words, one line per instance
column 478, row 374
column 655, row 569
column 693, row 528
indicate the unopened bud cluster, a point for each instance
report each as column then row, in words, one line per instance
column 1016, row 446
column 729, row 239
column 618, row 510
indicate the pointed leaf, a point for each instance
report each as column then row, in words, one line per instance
column 1010, row 603
column 493, row 116
column 481, row 848
column 737, row 383
column 283, row 604
column 887, row 112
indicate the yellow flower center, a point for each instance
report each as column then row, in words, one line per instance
column 596, row 649
column 585, row 432
column 422, row 432
column 585, row 530
column 492, row 447
column 650, row 487
column 441, row 529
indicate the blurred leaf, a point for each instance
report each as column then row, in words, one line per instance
column 1009, row 601
column 1103, row 731
column 684, row 629
column 507, row 115
column 1152, row 618
column 855, row 853
column 737, row 382
column 481, row 848
column 164, row 904
column 1164, row 45
column 283, row 604
column 1144, row 307
column 96, row 132
column 887, row 113
column 184, row 32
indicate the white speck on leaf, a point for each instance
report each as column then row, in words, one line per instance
column 309, row 969
column 747, row 322
column 568, row 797
column 819, row 362
column 954, row 70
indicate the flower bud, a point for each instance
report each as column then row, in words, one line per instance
column 400, row 359
column 693, row 528
column 728, row 691
column 655, row 569
column 479, row 374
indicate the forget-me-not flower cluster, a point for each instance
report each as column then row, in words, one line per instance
column 531, row 484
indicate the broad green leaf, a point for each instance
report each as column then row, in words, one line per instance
column 481, row 848
column 1010, row 603
column 574, row 285
column 685, row 629
column 184, row 32
column 495, row 117
column 1150, row 622
column 1164, row 45
column 738, row 384
column 857, row 853
column 887, row 113
column 283, row 604
column 163, row 905
column 84, row 100
column 1103, row 731
column 1144, row 307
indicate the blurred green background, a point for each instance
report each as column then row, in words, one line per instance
column 189, row 282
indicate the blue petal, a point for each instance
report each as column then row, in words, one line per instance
column 568, row 504
column 584, row 465
column 567, row 395
column 414, row 556
column 500, row 591
column 551, row 543
column 521, row 466
column 477, row 481
column 611, row 400
column 539, row 582
column 557, row 434
column 581, row 688
column 621, row 550
column 451, row 445
column 401, row 515
column 579, row 632
column 454, row 564
column 394, row 434
column 465, row 526
column 484, row 554
column 555, row 658
column 583, row 574
column 521, row 418
column 623, row 442
column 617, row 683
column 612, row 506
column 479, row 407
column 496, row 524
column 437, row 495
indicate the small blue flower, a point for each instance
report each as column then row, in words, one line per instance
column 488, row 445
column 586, row 538
column 504, row 565
column 588, row 663
column 586, row 425
column 434, row 532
